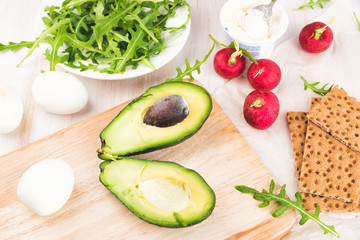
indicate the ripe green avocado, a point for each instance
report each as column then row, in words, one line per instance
column 162, row 193
column 162, row 116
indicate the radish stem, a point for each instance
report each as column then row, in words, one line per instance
column 259, row 102
column 238, row 52
column 318, row 32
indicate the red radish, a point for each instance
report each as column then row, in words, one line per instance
column 316, row 37
column 229, row 63
column 261, row 108
column 265, row 75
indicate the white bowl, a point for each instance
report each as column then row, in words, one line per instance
column 158, row 61
column 258, row 48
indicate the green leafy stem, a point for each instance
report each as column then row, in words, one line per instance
column 357, row 20
column 321, row 91
column 188, row 71
column 313, row 3
column 268, row 196
column 16, row 46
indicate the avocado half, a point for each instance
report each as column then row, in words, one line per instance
column 161, row 193
column 162, row 116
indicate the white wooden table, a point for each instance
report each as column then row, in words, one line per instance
column 18, row 22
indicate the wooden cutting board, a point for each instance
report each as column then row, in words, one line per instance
column 218, row 152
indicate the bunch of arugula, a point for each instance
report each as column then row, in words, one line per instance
column 104, row 35
column 268, row 196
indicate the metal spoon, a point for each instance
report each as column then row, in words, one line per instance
column 266, row 10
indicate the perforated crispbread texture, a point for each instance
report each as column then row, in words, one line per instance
column 297, row 122
column 310, row 201
column 329, row 168
column 314, row 101
column 339, row 115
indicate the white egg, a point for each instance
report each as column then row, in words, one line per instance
column 59, row 93
column 46, row 186
column 11, row 109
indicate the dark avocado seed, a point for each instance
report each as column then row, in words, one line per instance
column 167, row 111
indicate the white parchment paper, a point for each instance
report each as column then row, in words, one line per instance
column 340, row 64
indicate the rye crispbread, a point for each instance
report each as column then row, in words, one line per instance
column 297, row 122
column 314, row 101
column 329, row 168
column 339, row 115
column 311, row 201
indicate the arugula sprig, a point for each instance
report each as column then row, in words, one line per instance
column 321, row 91
column 313, row 3
column 357, row 20
column 188, row 71
column 235, row 46
column 16, row 46
column 268, row 196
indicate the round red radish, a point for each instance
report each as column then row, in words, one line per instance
column 261, row 109
column 316, row 37
column 226, row 66
column 265, row 75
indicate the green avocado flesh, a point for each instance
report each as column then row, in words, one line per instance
column 162, row 116
column 162, row 193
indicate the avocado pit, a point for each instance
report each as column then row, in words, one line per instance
column 167, row 111
column 166, row 194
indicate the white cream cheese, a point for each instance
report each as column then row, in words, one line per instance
column 240, row 20
column 255, row 26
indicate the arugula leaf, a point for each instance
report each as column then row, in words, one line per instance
column 321, row 91
column 136, row 39
column 79, row 26
column 75, row 43
column 142, row 25
column 232, row 45
column 147, row 63
column 357, row 20
column 55, row 45
column 72, row 52
column 105, row 24
column 16, row 46
column 268, row 196
column 313, row 3
column 112, row 49
column 120, row 37
column 43, row 35
column 173, row 29
column 69, row 4
column 188, row 71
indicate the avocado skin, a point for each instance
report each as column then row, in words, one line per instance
column 106, row 156
column 180, row 223
column 103, row 154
